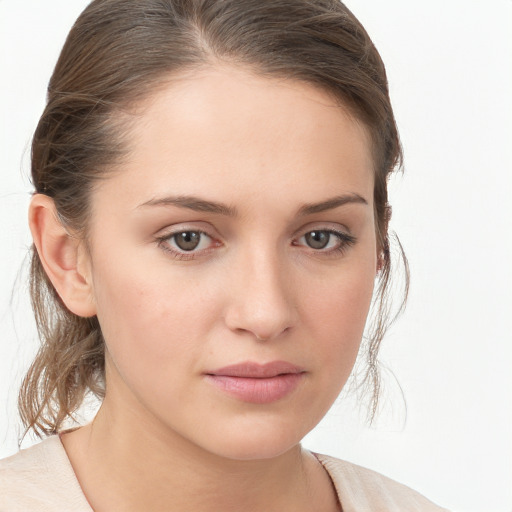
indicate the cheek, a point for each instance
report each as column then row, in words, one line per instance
column 337, row 313
column 148, row 317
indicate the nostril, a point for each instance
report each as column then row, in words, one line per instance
column 272, row 335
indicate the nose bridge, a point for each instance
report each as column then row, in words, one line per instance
column 261, row 298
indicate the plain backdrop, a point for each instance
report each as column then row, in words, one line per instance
column 449, row 66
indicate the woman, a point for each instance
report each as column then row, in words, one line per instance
column 209, row 217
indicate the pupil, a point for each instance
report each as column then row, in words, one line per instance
column 317, row 239
column 188, row 240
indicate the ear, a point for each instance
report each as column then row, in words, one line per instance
column 63, row 257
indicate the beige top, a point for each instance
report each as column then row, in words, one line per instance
column 41, row 478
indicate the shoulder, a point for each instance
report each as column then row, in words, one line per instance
column 40, row 478
column 360, row 488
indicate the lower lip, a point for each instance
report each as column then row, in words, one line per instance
column 257, row 391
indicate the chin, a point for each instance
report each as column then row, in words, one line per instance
column 254, row 449
column 256, row 441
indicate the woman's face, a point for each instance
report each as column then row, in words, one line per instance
column 232, row 262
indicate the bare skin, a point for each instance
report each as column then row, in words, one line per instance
column 294, row 481
column 274, row 169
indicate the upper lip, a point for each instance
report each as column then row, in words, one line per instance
column 254, row 370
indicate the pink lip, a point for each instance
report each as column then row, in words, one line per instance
column 257, row 383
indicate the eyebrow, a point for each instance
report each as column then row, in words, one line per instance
column 194, row 203
column 202, row 205
column 331, row 204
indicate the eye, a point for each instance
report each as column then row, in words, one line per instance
column 188, row 240
column 318, row 239
column 186, row 243
column 326, row 240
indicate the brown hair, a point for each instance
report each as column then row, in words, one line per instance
column 117, row 52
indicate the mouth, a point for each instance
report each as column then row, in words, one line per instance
column 257, row 383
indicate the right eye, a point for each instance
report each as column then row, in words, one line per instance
column 186, row 243
column 189, row 240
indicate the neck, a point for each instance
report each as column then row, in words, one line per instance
column 128, row 463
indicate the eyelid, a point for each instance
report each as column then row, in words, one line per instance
column 332, row 227
column 188, row 225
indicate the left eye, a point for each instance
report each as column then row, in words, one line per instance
column 322, row 239
column 189, row 241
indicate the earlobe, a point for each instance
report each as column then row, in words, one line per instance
column 62, row 257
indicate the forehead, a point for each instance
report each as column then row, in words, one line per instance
column 226, row 131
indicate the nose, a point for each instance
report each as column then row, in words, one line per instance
column 260, row 297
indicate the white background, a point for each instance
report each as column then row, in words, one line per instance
column 449, row 65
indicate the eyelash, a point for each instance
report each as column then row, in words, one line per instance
column 345, row 242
